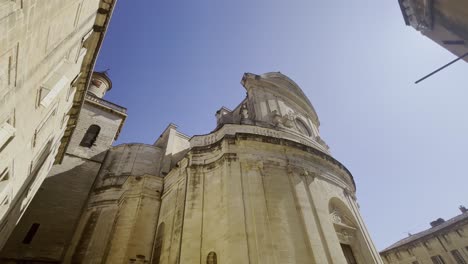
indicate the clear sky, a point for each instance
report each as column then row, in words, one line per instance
column 405, row 144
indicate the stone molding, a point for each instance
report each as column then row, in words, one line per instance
column 337, row 175
column 232, row 129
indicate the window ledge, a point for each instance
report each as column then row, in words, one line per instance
column 7, row 132
column 56, row 89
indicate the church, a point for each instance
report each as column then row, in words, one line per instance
column 261, row 187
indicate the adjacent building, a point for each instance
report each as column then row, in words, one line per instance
column 262, row 187
column 52, row 215
column 446, row 242
column 445, row 22
column 47, row 55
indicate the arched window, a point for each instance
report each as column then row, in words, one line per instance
column 90, row 136
column 303, row 128
column 212, row 258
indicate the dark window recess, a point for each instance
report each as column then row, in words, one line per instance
column 90, row 136
column 31, row 233
column 458, row 257
column 212, row 258
column 437, row 260
column 348, row 253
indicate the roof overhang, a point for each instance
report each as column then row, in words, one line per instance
column 93, row 45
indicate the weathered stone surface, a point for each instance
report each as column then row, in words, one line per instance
column 445, row 241
column 47, row 51
column 59, row 203
column 261, row 188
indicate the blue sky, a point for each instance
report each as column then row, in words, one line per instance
column 406, row 144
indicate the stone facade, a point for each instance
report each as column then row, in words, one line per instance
column 47, row 52
column 57, row 206
column 261, row 188
column 445, row 22
column 446, row 242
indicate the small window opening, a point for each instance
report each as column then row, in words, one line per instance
column 90, row 136
column 31, row 233
column 212, row 258
column 437, row 259
column 458, row 257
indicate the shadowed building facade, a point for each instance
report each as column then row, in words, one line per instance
column 262, row 187
column 47, row 55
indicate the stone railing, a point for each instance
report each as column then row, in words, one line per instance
column 105, row 103
column 232, row 129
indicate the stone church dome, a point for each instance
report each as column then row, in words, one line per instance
column 274, row 101
column 282, row 85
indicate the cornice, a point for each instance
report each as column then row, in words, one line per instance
column 215, row 141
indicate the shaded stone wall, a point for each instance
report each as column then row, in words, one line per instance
column 119, row 222
column 42, row 53
column 58, row 205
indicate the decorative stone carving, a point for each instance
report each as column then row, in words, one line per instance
column 276, row 118
column 336, row 216
column 244, row 115
column 288, row 119
column 244, row 112
column 344, row 235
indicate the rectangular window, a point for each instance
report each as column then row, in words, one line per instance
column 4, row 206
column 437, row 259
column 72, row 89
column 8, row 69
column 4, row 196
column 7, row 132
column 77, row 15
column 65, row 119
column 348, row 253
column 49, row 90
column 31, row 233
column 38, row 135
column 4, row 177
column 458, row 257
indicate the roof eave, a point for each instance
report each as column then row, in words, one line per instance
column 93, row 45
